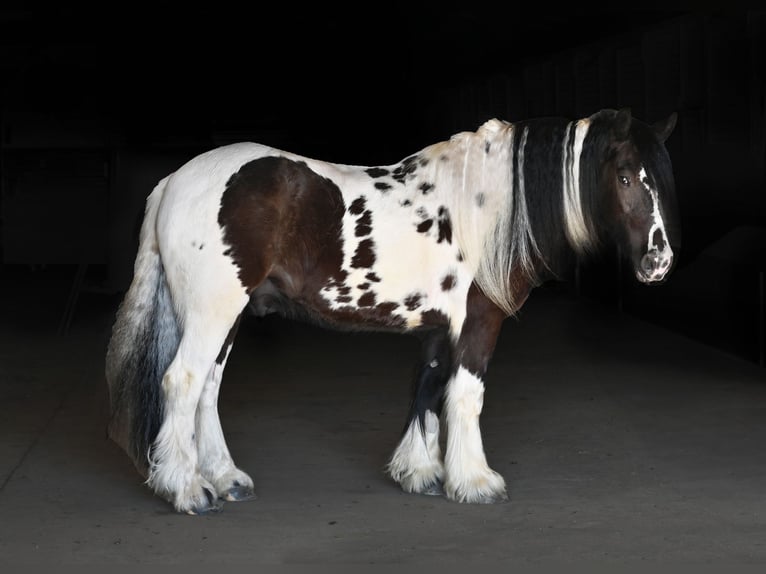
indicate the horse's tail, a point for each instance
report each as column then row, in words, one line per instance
column 145, row 338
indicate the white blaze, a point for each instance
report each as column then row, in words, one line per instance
column 657, row 221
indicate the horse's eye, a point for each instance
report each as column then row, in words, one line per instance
column 624, row 180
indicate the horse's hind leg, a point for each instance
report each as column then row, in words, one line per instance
column 174, row 465
column 417, row 462
column 215, row 462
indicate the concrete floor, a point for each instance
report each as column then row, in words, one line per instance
column 621, row 442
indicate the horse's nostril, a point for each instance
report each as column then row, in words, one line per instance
column 649, row 263
column 654, row 265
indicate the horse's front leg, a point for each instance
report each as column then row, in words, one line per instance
column 468, row 476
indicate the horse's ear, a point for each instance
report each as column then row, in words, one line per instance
column 622, row 124
column 664, row 128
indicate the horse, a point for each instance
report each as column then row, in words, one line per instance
column 445, row 244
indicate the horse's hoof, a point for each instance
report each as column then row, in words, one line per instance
column 481, row 498
column 434, row 489
column 201, row 511
column 496, row 498
column 486, row 488
column 234, row 486
column 211, row 504
column 238, row 492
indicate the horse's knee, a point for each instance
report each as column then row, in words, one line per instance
column 181, row 387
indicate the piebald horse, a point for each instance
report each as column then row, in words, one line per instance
column 447, row 243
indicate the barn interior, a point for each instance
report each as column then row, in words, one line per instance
column 627, row 419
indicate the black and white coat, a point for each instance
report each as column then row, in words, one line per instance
column 446, row 243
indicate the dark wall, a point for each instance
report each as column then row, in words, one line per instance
column 98, row 107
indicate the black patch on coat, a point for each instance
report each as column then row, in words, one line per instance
column 426, row 187
column 382, row 186
column 364, row 224
column 424, row 226
column 376, row 172
column 364, row 256
column 366, row 300
column 406, row 203
column 405, row 169
column 413, row 301
column 445, row 226
column 486, row 147
column 357, row 206
column 480, row 199
column 372, row 277
column 228, row 342
column 387, row 307
column 448, row 282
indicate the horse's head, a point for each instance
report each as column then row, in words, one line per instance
column 638, row 181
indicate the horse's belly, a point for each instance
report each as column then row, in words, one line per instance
column 365, row 313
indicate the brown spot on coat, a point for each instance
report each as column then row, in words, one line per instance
column 448, row 282
column 387, row 307
column 433, row 317
column 276, row 215
column 481, row 327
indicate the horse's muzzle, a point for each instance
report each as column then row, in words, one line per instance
column 654, row 266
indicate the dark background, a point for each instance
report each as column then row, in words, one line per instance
column 97, row 107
